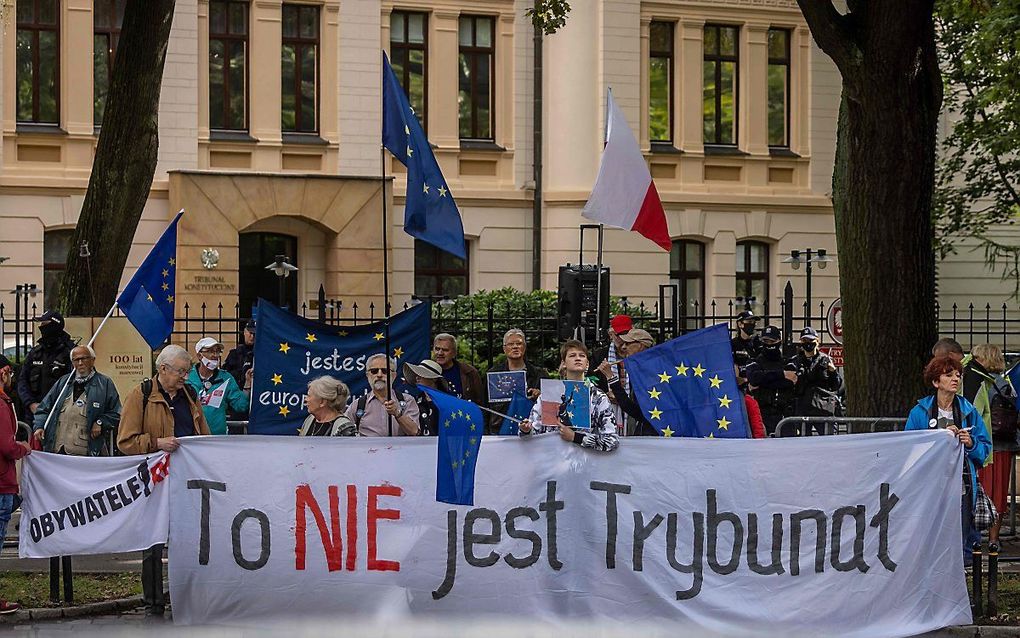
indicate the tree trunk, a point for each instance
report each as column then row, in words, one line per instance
column 882, row 187
column 124, row 163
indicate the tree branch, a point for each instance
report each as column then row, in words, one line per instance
column 832, row 32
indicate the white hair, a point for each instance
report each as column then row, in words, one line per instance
column 92, row 353
column 332, row 391
column 514, row 331
column 380, row 355
column 172, row 353
column 446, row 336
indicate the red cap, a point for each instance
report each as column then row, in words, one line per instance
column 621, row 324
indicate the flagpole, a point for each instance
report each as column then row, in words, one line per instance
column 505, row 416
column 386, row 283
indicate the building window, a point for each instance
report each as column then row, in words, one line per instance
column 255, row 250
column 719, row 71
column 107, row 18
column 38, row 61
column 752, row 270
column 687, row 272
column 228, row 65
column 660, row 82
column 779, row 87
column 300, row 97
column 409, row 58
column 476, row 95
column 56, row 243
column 437, row 272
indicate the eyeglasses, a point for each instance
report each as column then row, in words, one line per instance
column 377, row 370
column 514, row 344
column 178, row 371
column 80, row 359
column 207, row 351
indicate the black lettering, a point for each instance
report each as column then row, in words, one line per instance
column 91, row 509
column 143, row 475
column 796, row 521
column 777, row 545
column 111, row 496
column 46, row 520
column 59, row 516
column 714, row 518
column 857, row 562
column 881, row 521
column 612, row 513
column 641, row 533
column 98, row 497
column 235, row 539
column 451, row 556
column 36, row 530
column 527, row 534
column 203, row 538
column 550, row 506
column 471, row 538
column 124, row 498
column 76, row 514
column 696, row 567
column 134, row 488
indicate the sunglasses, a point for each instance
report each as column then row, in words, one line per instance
column 377, row 370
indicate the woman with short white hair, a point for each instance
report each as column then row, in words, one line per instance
column 325, row 402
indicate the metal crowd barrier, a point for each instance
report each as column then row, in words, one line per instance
column 829, row 425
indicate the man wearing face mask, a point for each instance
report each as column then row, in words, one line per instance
column 375, row 414
column 46, row 362
column 746, row 345
column 771, row 379
column 816, row 373
column 216, row 389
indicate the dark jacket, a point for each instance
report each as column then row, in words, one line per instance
column 533, row 376
column 103, row 410
column 48, row 360
column 812, row 372
column 10, row 451
column 471, row 383
column 239, row 361
column 771, row 389
column 745, row 350
column 631, row 408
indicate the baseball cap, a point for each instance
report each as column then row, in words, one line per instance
column 772, row 332
column 428, row 369
column 621, row 324
column 747, row 315
column 637, row 335
column 51, row 315
column 809, row 333
column 206, row 342
column 250, row 326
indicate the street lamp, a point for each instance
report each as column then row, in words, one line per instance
column 808, row 257
column 282, row 269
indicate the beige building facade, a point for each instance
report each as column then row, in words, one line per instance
column 270, row 140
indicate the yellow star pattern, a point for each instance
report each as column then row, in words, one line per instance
column 277, row 379
column 698, row 370
column 425, row 188
column 442, row 191
column 725, row 401
column 715, row 381
column 682, row 370
column 711, row 436
column 664, row 377
column 172, row 261
column 410, row 151
column 310, row 338
column 284, row 347
column 654, row 393
column 166, row 286
column 666, row 432
column 379, row 336
column 407, row 131
column 148, row 297
column 342, row 333
column 284, row 411
column 166, row 273
column 398, row 352
column 169, row 298
column 472, row 427
column 723, row 423
column 656, row 413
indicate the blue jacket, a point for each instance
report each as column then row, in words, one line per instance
column 234, row 398
column 976, row 455
column 103, row 409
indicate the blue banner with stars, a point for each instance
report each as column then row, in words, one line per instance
column 460, row 435
column 430, row 214
column 687, row 386
column 290, row 351
column 148, row 299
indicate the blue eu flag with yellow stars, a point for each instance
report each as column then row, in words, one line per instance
column 430, row 214
column 148, row 299
column 687, row 386
column 460, row 435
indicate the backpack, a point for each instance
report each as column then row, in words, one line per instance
column 1001, row 401
column 147, row 390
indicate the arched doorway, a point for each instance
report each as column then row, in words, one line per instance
column 257, row 250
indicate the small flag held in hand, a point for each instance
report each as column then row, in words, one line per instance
column 460, row 436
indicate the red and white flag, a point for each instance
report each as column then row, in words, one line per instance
column 624, row 195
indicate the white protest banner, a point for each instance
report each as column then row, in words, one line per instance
column 92, row 505
column 855, row 535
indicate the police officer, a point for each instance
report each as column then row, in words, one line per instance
column 815, row 372
column 46, row 362
column 239, row 360
column 771, row 379
column 746, row 345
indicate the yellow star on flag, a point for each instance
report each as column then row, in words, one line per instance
column 148, row 297
column 666, row 432
column 698, row 370
column 342, row 333
column 169, row 298
column 725, row 401
column 172, row 261
column 410, row 151
column 472, row 427
column 284, row 411
column 442, row 191
column 723, row 423
column 467, row 453
column 715, row 381
column 407, row 131
column 284, row 347
column 379, row 336
column 166, row 273
column 277, row 379
column 682, row 370
column 446, row 423
column 166, row 286
column 664, row 377
column 473, row 440
column 656, row 413
column 425, row 188
column 398, row 352
column 310, row 338
column 654, row 393
column 711, row 436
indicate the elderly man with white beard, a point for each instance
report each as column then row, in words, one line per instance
column 375, row 413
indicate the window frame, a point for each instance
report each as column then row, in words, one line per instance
column 404, row 76
column 749, row 276
column 474, row 51
column 50, row 296
column 36, row 28
column 682, row 276
column 671, row 57
column 300, row 43
column 438, row 272
column 112, row 34
column 718, row 58
column 788, row 63
column 231, row 37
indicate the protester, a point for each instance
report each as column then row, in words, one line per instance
column 462, row 377
column 987, row 366
column 240, row 359
column 771, row 379
column 157, row 413
column 216, row 389
column 818, row 380
column 429, row 374
column 325, row 401
column 947, row 346
column 603, row 436
column 746, row 345
column 613, row 353
column 10, row 451
column 379, row 414
column 46, row 362
column 634, row 341
column 944, row 409
column 515, row 348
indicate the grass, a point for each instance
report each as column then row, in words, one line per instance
column 33, row 589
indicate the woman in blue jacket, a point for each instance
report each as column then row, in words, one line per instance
column 945, row 409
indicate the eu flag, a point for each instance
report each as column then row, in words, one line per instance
column 290, row 351
column 430, row 214
column 460, row 435
column 687, row 386
column 148, row 299
column 520, row 408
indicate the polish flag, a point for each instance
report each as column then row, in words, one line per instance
column 624, row 195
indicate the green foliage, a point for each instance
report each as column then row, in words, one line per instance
column 548, row 15
column 979, row 169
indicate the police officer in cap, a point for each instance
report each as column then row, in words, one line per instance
column 771, row 379
column 239, row 360
column 46, row 362
column 746, row 345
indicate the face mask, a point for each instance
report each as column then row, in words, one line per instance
column 771, row 348
column 212, row 364
column 51, row 329
column 808, row 347
column 747, row 328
